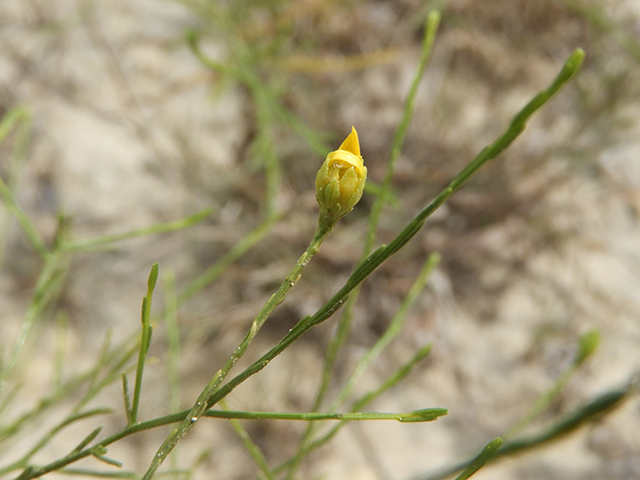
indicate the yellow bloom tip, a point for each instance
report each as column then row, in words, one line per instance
column 351, row 143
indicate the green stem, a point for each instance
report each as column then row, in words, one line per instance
column 542, row 403
column 24, row 221
column 119, row 360
column 487, row 453
column 151, row 230
column 209, row 396
column 250, row 445
column 365, row 400
column 24, row 461
column 371, row 263
column 430, row 30
column 173, row 340
column 390, row 333
column 424, row 415
column 145, row 341
column 587, row 344
column 49, row 281
column 213, row 395
column 596, row 408
column 344, row 325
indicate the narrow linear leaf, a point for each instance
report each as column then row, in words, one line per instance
column 8, row 397
column 154, row 229
column 153, row 278
column 87, row 440
column 394, row 378
column 107, row 460
column 394, row 328
column 27, row 473
column 423, row 415
column 477, row 463
column 571, row 421
column 86, row 414
column 127, row 398
column 85, row 472
column 587, row 344
column 145, row 342
column 596, row 408
column 251, row 447
column 11, row 118
column 173, row 340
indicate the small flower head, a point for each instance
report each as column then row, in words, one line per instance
column 340, row 180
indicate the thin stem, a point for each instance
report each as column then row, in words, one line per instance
column 151, row 230
column 250, row 445
column 344, row 325
column 390, row 333
column 487, row 453
column 23, row 462
column 206, row 398
column 424, row 415
column 23, row 219
column 46, row 288
column 374, row 260
column 238, row 250
column 595, row 408
column 365, row 400
column 587, row 345
column 215, row 394
column 173, row 340
column 20, row 119
column 70, row 387
column 96, row 473
column 145, row 341
column 430, row 30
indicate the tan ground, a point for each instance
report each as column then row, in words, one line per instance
column 129, row 129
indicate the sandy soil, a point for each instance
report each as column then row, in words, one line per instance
column 130, row 129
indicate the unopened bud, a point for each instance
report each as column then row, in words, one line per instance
column 340, row 180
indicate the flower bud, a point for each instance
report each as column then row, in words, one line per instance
column 340, row 180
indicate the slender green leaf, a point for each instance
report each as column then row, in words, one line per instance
column 86, row 441
column 152, row 230
column 477, row 463
column 127, row 398
column 250, row 445
column 594, row 409
column 107, row 460
column 85, row 472
column 145, row 342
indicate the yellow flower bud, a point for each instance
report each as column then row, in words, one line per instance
column 340, row 180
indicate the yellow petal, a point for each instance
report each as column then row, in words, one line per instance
column 351, row 143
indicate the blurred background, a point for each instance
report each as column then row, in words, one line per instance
column 129, row 128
